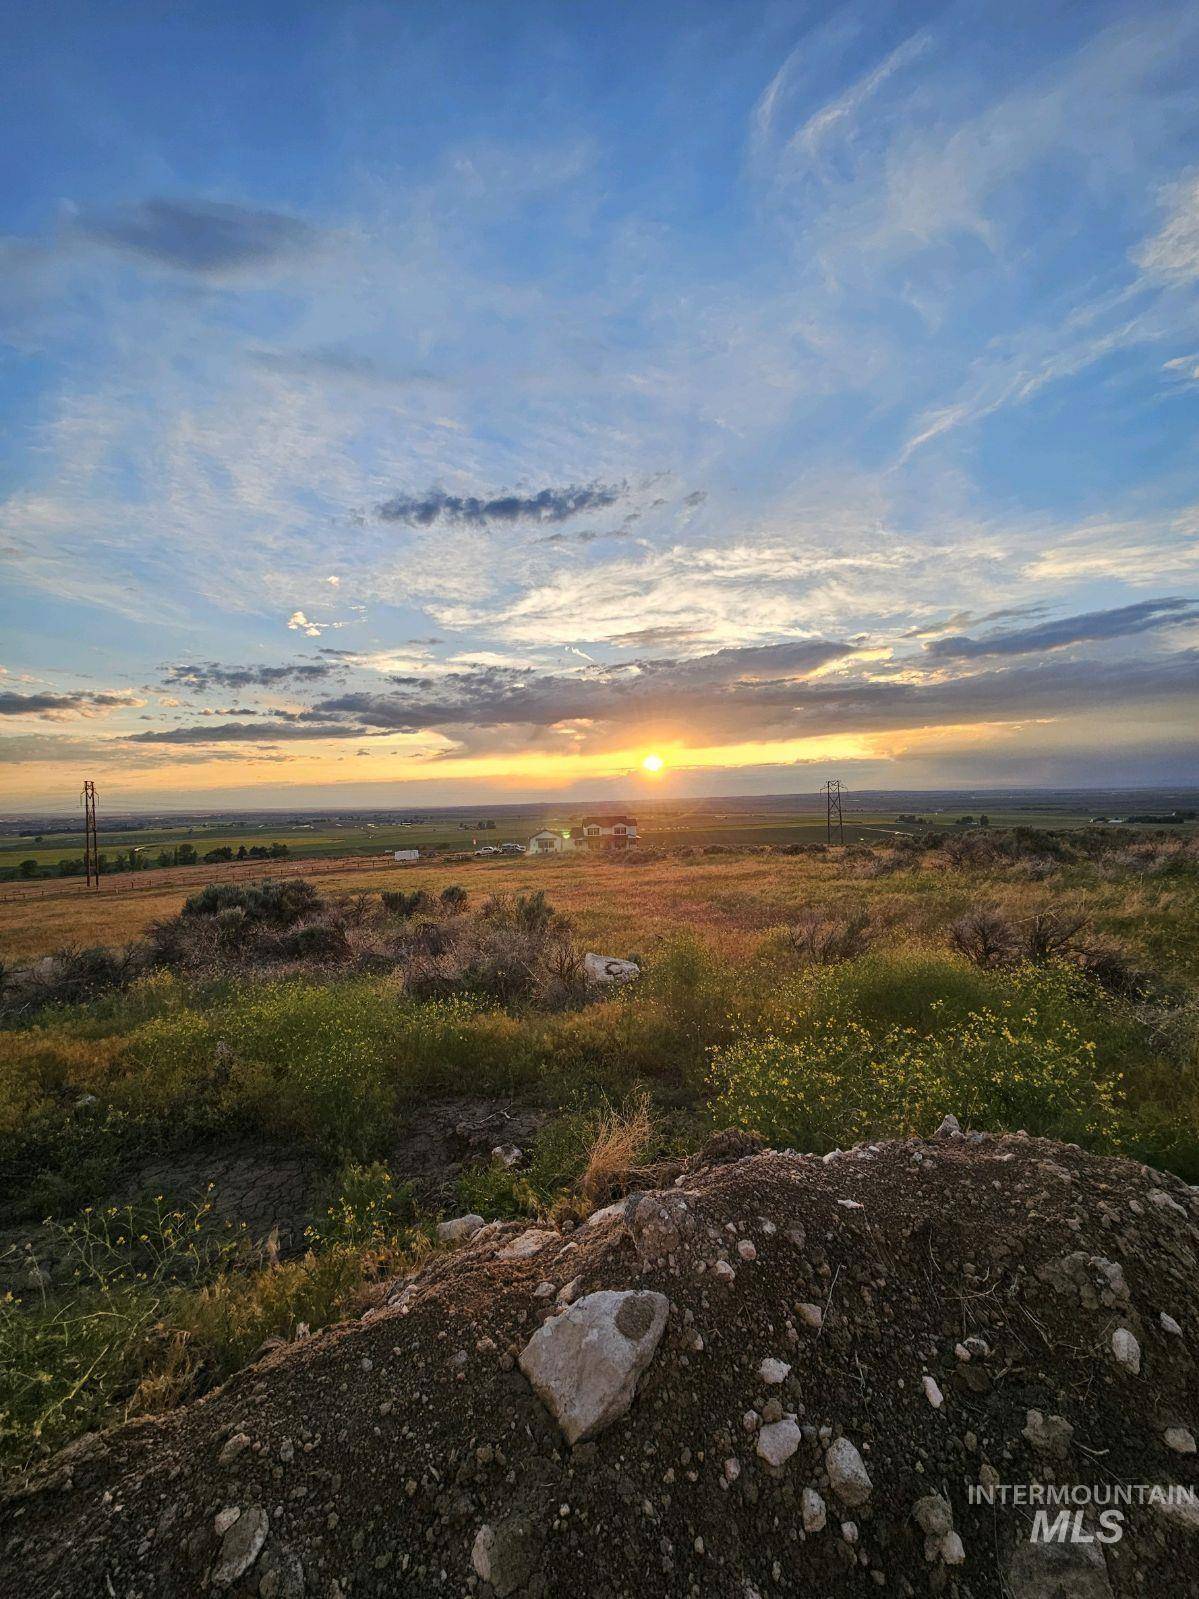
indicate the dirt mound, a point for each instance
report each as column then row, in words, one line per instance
column 782, row 1375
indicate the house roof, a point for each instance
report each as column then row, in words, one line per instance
column 609, row 821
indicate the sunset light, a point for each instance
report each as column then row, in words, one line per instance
column 652, row 763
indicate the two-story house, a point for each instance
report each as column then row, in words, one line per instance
column 609, row 832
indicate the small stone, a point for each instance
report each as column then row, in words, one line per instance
column 779, row 1441
column 224, row 1519
column 849, row 1531
column 530, row 1242
column 240, row 1546
column 1049, row 1435
column 732, row 1469
column 773, row 1371
column 950, row 1128
column 1126, row 1350
column 1180, row 1439
column 458, row 1229
column 811, row 1315
column 952, row 1550
column 747, row 1250
column 847, row 1472
column 933, row 1393
column 232, row 1448
column 934, row 1515
column 723, row 1272
column 1170, row 1325
column 815, row 1513
column 505, row 1555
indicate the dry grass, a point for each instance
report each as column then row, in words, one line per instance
column 621, row 1140
column 620, row 908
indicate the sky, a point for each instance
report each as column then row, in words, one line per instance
column 415, row 404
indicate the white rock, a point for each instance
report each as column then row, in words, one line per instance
column 847, row 1472
column 508, row 1155
column 526, row 1244
column 747, row 1249
column 458, row 1229
column 723, row 1272
column 950, row 1128
column 240, row 1546
column 773, row 1371
column 607, row 969
column 224, row 1519
column 952, row 1550
column 778, row 1441
column 1180, row 1439
column 933, row 1393
column 597, row 1217
column 811, row 1316
column 815, row 1514
column 585, row 1363
column 850, row 1204
column 849, row 1531
column 1170, row 1325
column 732, row 1469
column 544, row 1290
column 1126, row 1350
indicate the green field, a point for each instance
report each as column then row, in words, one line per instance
column 663, row 825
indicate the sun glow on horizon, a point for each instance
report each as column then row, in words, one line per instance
column 652, row 763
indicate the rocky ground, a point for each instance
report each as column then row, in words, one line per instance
column 773, row 1375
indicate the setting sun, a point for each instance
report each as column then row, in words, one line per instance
column 653, row 763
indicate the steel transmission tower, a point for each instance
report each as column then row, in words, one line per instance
column 91, row 849
column 833, row 791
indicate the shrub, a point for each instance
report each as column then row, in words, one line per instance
column 278, row 904
column 405, row 905
column 454, row 898
column 826, row 939
column 621, row 1138
column 984, row 936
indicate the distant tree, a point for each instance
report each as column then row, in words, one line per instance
column 185, row 855
column 279, row 852
column 223, row 852
column 984, row 820
column 28, row 868
column 242, row 852
column 165, row 858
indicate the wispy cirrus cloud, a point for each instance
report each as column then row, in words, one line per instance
column 205, row 237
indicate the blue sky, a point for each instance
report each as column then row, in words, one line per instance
column 415, row 403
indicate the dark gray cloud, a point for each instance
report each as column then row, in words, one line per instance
column 753, row 693
column 1089, row 627
column 76, row 704
column 550, row 505
column 248, row 732
column 586, row 536
column 198, row 676
column 708, row 689
column 201, row 236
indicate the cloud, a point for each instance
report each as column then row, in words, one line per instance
column 297, row 622
column 201, row 675
column 710, row 692
column 1055, row 635
column 550, row 505
column 650, row 637
column 205, row 237
column 1173, row 253
column 56, row 706
column 248, row 733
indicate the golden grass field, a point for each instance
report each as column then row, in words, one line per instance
column 621, row 908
